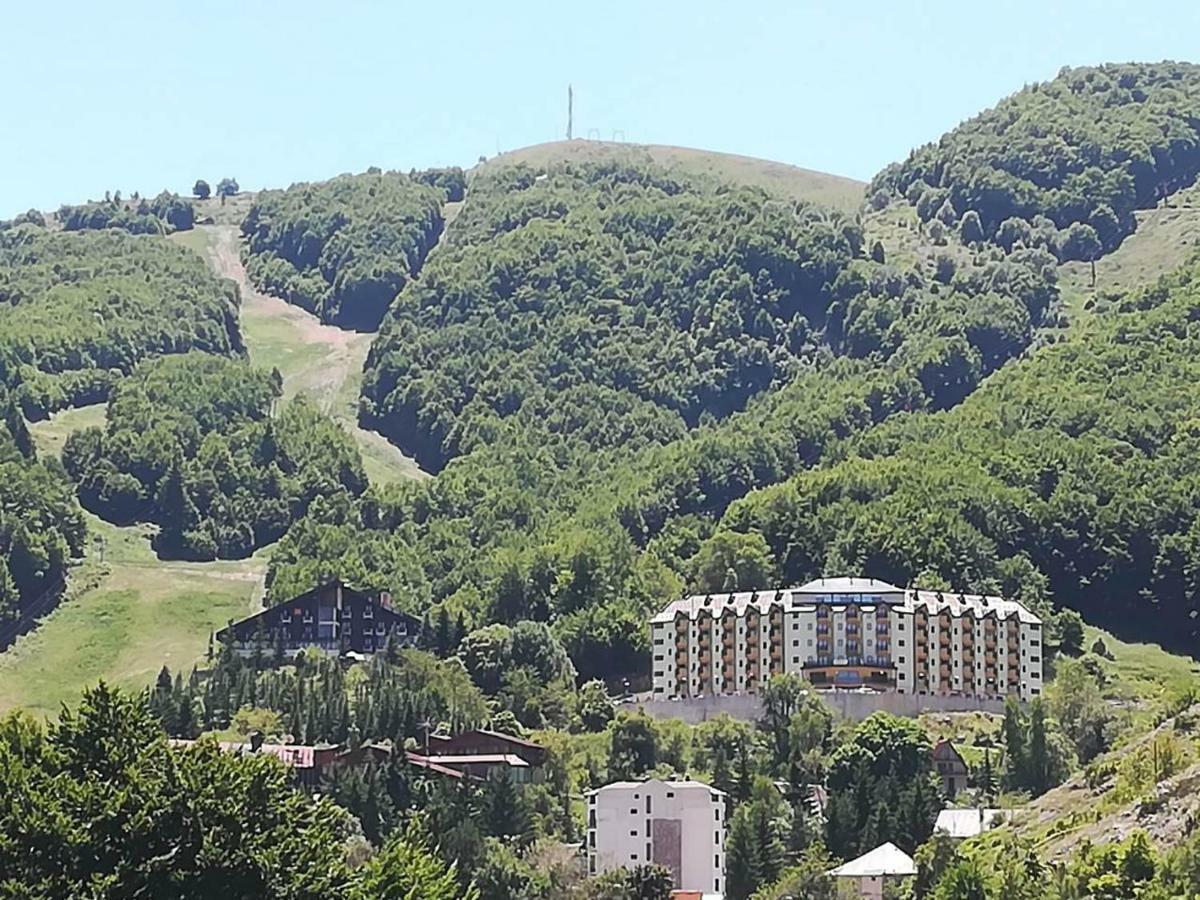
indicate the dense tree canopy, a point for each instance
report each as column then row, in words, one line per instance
column 657, row 349
column 79, row 310
column 161, row 214
column 41, row 525
column 99, row 803
column 1071, row 472
column 343, row 248
column 1085, row 149
column 189, row 443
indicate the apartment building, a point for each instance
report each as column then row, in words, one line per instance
column 679, row 825
column 849, row 633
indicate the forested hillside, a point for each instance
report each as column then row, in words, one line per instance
column 344, row 248
column 161, row 214
column 77, row 311
column 41, row 525
column 190, row 444
column 598, row 352
column 1062, row 164
column 1069, row 474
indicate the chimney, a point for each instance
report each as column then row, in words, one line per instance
column 385, row 599
column 256, row 741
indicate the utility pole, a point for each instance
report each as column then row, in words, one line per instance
column 570, row 110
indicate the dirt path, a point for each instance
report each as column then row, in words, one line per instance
column 322, row 361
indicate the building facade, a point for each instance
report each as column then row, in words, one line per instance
column 679, row 825
column 332, row 617
column 848, row 633
column 951, row 768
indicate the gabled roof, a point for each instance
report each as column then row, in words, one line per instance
column 943, row 749
column 309, row 594
column 886, row 859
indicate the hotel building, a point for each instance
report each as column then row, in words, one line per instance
column 849, row 633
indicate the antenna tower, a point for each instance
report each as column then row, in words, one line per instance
column 570, row 110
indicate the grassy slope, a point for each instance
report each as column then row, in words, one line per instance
column 779, row 178
column 322, row 361
column 1165, row 239
column 127, row 617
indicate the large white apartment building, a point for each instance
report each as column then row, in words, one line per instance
column 848, row 632
column 679, row 825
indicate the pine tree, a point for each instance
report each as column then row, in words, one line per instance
column 1038, row 778
column 1014, row 744
column 743, row 859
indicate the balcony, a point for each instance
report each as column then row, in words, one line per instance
column 944, row 654
column 944, row 638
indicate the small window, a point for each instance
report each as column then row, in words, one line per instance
column 670, row 795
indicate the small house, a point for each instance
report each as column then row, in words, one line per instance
column 951, row 768
column 869, row 874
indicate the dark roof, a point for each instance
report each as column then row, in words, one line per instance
column 325, row 585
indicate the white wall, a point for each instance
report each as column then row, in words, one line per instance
column 621, row 832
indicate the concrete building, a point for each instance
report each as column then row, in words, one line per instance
column 848, row 632
column 869, row 875
column 679, row 825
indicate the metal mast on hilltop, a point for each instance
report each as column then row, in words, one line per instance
column 570, row 110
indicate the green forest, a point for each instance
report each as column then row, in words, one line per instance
column 78, row 311
column 1061, row 164
column 656, row 349
column 190, row 444
column 344, row 248
column 1067, row 475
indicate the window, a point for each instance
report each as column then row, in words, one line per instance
column 633, row 812
column 716, row 837
column 716, row 813
column 633, row 832
column 717, row 862
column 368, row 611
column 795, row 643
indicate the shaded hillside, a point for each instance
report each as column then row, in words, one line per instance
column 777, row 178
column 1069, row 474
column 1065, row 162
column 344, row 248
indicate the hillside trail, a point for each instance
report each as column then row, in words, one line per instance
column 322, row 361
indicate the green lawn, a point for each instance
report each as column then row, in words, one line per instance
column 49, row 435
column 138, row 618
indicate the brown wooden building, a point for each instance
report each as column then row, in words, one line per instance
column 333, row 617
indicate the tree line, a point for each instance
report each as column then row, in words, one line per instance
column 190, row 444
column 342, row 249
column 1061, row 164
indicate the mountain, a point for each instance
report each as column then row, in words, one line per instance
column 616, row 358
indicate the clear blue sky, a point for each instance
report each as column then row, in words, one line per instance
column 141, row 95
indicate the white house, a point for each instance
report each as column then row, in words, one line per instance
column 871, row 871
column 679, row 825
